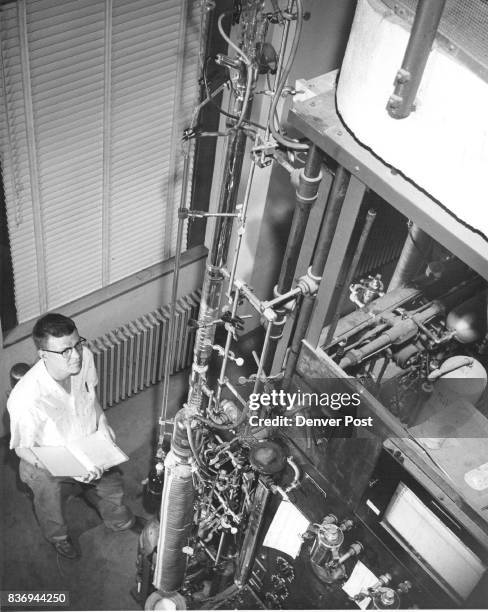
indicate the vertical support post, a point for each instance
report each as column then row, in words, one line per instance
column 332, row 270
column 323, row 245
column 370, row 217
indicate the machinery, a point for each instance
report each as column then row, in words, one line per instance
column 404, row 335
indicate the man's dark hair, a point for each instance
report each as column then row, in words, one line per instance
column 52, row 324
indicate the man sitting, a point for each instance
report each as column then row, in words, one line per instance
column 53, row 403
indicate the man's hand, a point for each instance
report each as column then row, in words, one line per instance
column 94, row 474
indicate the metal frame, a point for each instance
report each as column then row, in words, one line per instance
column 317, row 119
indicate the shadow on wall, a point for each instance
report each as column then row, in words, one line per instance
column 274, row 228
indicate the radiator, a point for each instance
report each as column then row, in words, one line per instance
column 132, row 357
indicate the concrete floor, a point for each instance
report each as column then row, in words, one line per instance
column 102, row 578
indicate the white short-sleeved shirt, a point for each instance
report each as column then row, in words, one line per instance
column 42, row 413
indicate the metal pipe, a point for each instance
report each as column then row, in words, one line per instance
column 401, row 328
column 262, row 361
column 248, row 293
column 301, row 326
column 219, row 550
column 370, row 217
column 240, row 235
column 413, row 253
column 248, row 548
column 283, row 299
column 408, row 78
column 306, row 195
column 333, row 209
column 174, row 296
column 328, row 228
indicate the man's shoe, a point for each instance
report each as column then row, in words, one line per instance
column 122, row 526
column 135, row 524
column 66, row 549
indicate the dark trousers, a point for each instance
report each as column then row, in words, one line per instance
column 107, row 493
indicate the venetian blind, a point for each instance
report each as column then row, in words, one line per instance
column 95, row 96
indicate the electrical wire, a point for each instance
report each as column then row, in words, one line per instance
column 287, row 142
column 219, row 108
column 237, row 49
column 249, row 72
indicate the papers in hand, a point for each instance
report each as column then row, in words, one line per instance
column 81, row 456
column 286, row 530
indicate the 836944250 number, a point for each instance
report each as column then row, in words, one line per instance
column 34, row 598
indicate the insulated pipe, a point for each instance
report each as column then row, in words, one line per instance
column 408, row 78
column 176, row 522
column 333, row 209
column 176, row 508
column 370, row 217
column 306, row 195
column 413, row 253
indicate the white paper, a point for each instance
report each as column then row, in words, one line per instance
column 98, row 450
column 59, row 461
column 361, row 579
column 82, row 455
column 286, row 530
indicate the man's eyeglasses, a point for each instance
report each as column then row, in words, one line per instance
column 67, row 352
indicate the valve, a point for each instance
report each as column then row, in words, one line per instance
column 325, row 557
column 367, row 290
column 383, row 596
column 228, row 62
column 231, row 324
column 230, row 355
